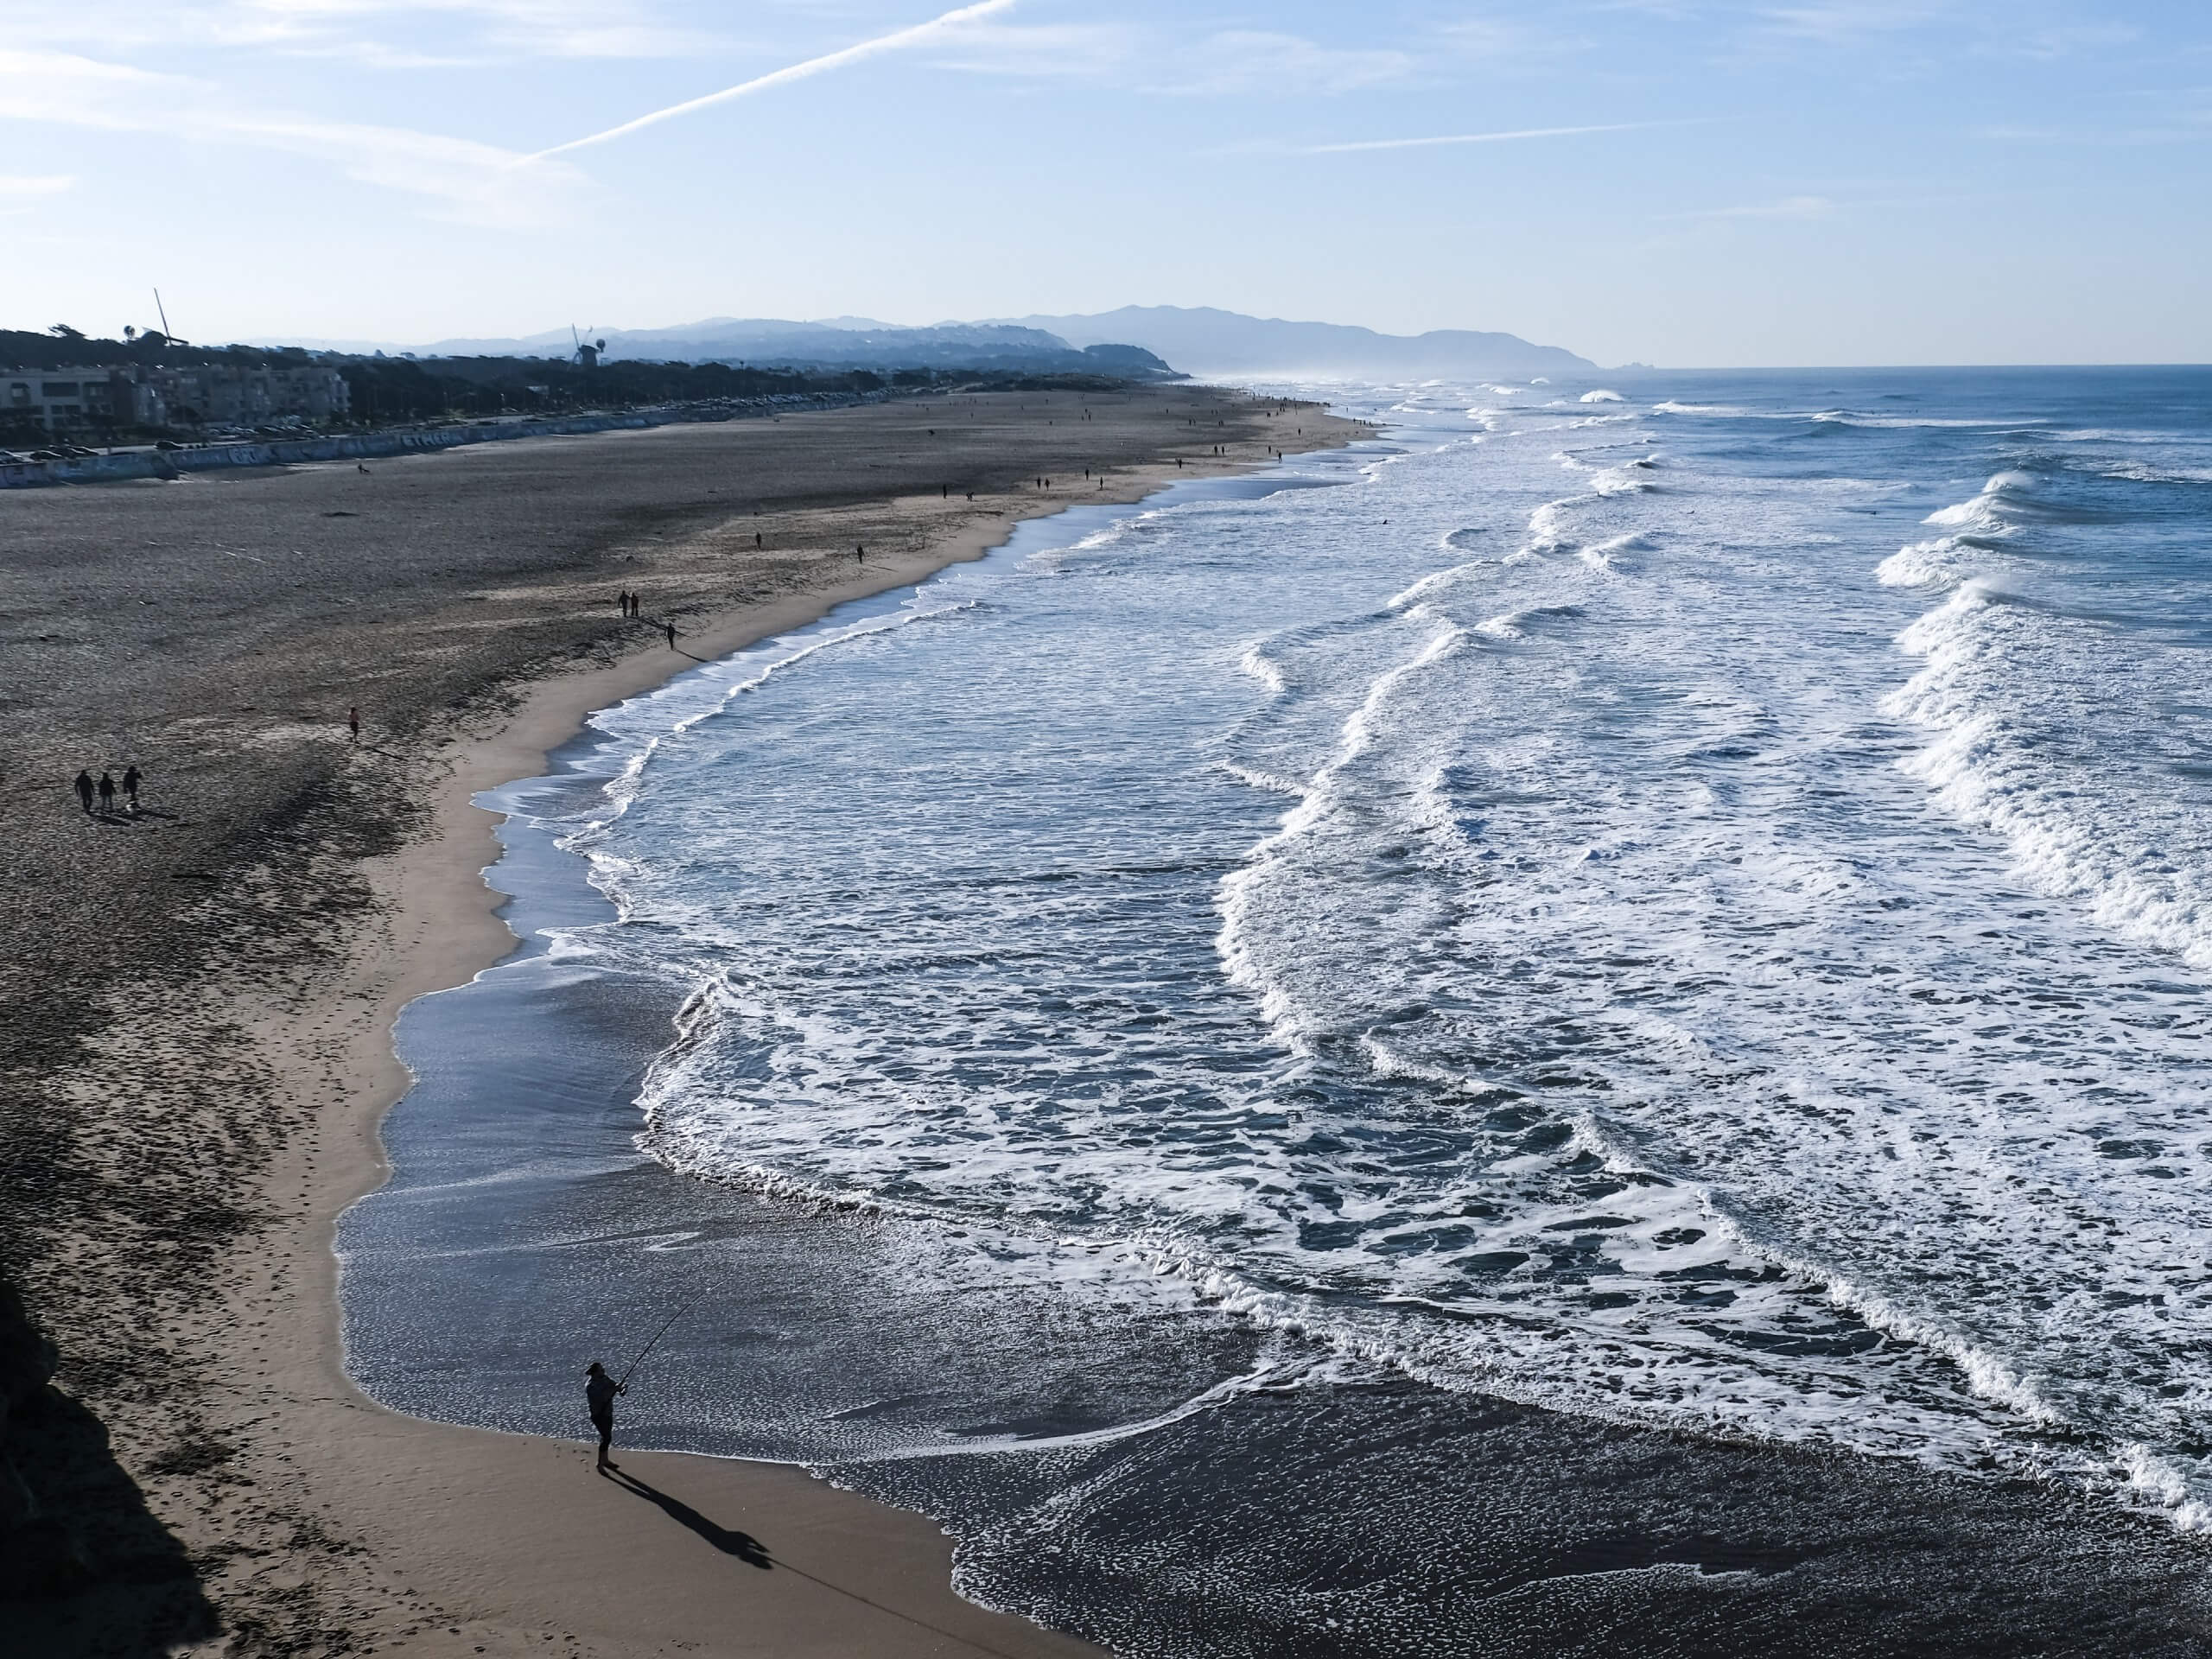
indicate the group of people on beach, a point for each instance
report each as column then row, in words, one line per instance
column 105, row 788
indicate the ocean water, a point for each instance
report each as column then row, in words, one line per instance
column 1681, row 901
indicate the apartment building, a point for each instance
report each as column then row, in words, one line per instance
column 69, row 399
column 80, row 399
column 229, row 396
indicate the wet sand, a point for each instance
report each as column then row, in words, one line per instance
column 200, row 1001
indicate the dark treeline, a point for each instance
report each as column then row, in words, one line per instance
column 411, row 389
column 62, row 346
column 386, row 389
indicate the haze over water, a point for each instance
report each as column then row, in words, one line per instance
column 1686, row 901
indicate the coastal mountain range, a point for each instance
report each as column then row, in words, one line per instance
column 1203, row 340
column 1134, row 343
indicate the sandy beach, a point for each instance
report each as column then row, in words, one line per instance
column 200, row 998
column 201, row 1001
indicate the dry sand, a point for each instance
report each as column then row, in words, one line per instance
column 198, row 1003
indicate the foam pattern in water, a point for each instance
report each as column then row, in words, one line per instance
column 1691, row 912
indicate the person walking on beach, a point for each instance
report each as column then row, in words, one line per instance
column 130, row 778
column 353, row 723
column 107, row 793
column 85, row 790
column 600, row 1390
column 622, row 601
column 670, row 628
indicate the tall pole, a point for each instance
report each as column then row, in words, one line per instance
column 165, row 316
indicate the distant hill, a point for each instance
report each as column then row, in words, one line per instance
column 845, row 343
column 1136, row 342
column 1203, row 340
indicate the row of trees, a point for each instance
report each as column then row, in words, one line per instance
column 64, row 347
column 384, row 391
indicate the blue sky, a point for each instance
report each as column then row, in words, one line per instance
column 1829, row 181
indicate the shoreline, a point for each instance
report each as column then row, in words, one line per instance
column 291, row 1515
column 1730, row 1542
column 202, row 998
column 444, row 923
column 446, row 913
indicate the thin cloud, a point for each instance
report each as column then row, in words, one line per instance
column 917, row 34
column 1093, row 51
column 1360, row 145
column 1176, row 63
column 2049, row 44
column 1234, row 62
column 473, row 181
column 1798, row 208
column 19, row 187
column 467, row 32
column 1852, row 19
column 2185, row 129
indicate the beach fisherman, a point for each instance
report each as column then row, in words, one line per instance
column 600, row 1390
column 107, row 793
column 85, row 790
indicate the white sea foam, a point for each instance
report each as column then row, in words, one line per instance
column 1987, row 510
column 1614, row 554
column 2146, row 473
column 1606, row 1020
column 1912, row 422
column 1936, row 563
column 1986, row 694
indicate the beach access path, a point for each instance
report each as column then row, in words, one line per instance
column 197, row 1003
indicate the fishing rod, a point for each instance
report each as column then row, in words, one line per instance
column 655, row 1342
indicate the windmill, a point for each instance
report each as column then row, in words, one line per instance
column 588, row 352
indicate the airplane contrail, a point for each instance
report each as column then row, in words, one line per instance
column 891, row 42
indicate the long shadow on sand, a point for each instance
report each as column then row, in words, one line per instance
column 728, row 1540
column 750, row 1550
